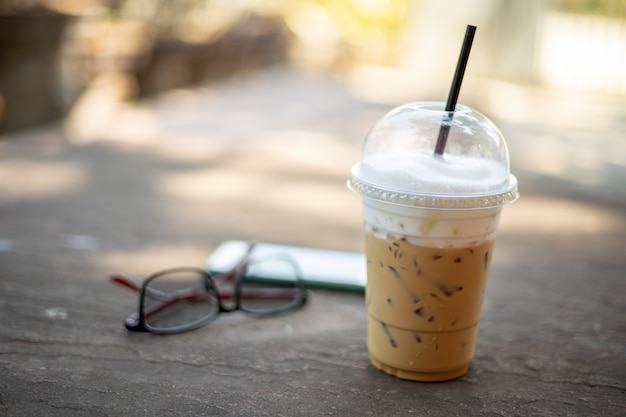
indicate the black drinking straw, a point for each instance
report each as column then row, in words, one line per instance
column 455, row 88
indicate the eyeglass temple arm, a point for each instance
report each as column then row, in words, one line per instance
column 124, row 281
column 236, row 270
column 132, row 321
column 120, row 279
column 128, row 283
column 166, row 299
column 224, row 294
column 192, row 294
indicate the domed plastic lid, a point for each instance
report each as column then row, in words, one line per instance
column 398, row 163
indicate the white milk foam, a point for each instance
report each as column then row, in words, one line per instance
column 418, row 171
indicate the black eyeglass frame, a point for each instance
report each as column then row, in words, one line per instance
column 138, row 322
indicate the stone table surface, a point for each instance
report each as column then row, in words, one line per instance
column 136, row 187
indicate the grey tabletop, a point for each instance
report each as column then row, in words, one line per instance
column 265, row 156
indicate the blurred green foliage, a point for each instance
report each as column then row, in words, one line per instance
column 606, row 8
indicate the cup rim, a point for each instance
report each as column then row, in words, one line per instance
column 466, row 201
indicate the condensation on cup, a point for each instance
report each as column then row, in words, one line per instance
column 430, row 225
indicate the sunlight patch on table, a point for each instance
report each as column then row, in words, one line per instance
column 210, row 184
column 29, row 180
column 553, row 215
column 197, row 147
column 320, row 152
column 141, row 262
column 306, row 196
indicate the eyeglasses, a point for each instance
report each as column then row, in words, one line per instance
column 182, row 299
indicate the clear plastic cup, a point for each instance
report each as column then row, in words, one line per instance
column 430, row 225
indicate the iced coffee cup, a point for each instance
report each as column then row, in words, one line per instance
column 430, row 225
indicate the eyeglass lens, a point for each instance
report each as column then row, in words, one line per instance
column 270, row 285
column 179, row 300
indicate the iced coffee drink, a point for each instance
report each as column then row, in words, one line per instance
column 430, row 226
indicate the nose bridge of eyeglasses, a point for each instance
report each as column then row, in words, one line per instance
column 231, row 275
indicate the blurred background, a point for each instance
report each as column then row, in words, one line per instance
column 550, row 73
column 55, row 50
